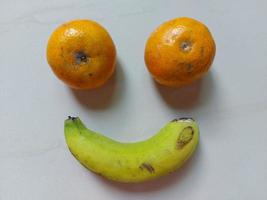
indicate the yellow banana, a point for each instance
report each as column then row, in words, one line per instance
column 133, row 162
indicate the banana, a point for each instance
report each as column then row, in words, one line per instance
column 141, row 161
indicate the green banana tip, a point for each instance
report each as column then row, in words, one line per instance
column 72, row 118
column 74, row 121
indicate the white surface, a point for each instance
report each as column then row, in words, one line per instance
column 230, row 103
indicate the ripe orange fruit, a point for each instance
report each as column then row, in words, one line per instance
column 179, row 51
column 82, row 54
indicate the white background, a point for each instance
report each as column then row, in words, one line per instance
column 230, row 103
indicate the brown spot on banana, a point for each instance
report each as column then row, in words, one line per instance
column 148, row 167
column 185, row 137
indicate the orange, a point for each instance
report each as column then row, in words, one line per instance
column 179, row 52
column 82, row 54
